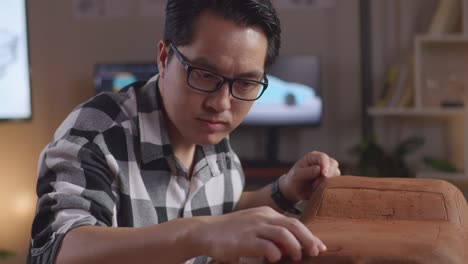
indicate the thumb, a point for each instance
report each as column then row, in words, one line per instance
column 307, row 180
column 307, row 173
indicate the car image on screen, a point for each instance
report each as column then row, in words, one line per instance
column 286, row 103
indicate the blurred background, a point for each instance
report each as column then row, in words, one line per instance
column 389, row 76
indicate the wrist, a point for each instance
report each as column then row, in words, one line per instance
column 283, row 187
column 193, row 238
column 281, row 200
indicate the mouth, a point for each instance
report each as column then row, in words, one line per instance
column 213, row 125
column 214, row 121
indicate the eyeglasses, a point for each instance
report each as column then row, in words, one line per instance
column 208, row 81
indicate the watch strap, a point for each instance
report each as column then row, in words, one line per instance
column 281, row 201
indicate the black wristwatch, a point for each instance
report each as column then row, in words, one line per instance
column 281, row 201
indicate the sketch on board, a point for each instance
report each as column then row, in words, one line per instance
column 15, row 86
column 8, row 47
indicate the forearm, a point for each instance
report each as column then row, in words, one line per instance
column 170, row 242
column 260, row 197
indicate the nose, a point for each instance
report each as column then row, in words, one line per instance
column 220, row 100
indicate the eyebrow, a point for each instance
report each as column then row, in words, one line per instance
column 205, row 64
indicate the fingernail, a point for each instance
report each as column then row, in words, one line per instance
column 323, row 247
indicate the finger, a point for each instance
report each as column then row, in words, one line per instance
column 338, row 172
column 322, row 159
column 331, row 170
column 317, row 182
column 334, row 167
column 317, row 158
column 264, row 248
column 334, row 163
column 309, row 242
column 328, row 166
column 308, row 173
column 283, row 239
column 316, row 249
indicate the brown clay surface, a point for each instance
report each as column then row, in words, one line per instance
column 388, row 220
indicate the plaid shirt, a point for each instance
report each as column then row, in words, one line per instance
column 110, row 163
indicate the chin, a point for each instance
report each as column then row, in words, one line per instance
column 210, row 139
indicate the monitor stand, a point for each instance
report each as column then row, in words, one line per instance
column 270, row 150
column 270, row 168
column 272, row 146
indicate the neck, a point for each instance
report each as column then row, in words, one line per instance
column 185, row 153
column 183, row 150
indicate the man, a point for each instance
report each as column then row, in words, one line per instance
column 147, row 175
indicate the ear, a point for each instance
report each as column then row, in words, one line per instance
column 162, row 58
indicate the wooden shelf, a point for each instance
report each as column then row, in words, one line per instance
column 438, row 77
column 437, row 38
column 431, row 112
column 441, row 175
column 440, row 69
column 456, row 126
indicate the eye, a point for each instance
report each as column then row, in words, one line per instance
column 244, row 86
column 204, row 75
column 248, row 84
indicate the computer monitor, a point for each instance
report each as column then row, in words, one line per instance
column 15, row 90
column 115, row 76
column 292, row 97
column 292, row 101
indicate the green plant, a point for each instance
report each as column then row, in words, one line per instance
column 4, row 254
column 374, row 161
column 440, row 165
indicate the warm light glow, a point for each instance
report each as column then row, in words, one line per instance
column 24, row 204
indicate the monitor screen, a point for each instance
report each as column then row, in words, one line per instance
column 292, row 96
column 15, row 92
column 113, row 77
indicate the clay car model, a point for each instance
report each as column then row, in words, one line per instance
column 388, row 220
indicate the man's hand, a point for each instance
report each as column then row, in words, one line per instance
column 256, row 232
column 307, row 174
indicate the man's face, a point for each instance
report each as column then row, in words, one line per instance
column 220, row 46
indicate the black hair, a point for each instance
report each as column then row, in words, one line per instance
column 182, row 15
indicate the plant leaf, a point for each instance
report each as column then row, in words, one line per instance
column 4, row 254
column 408, row 145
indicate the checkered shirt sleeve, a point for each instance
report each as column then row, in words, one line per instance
column 110, row 164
